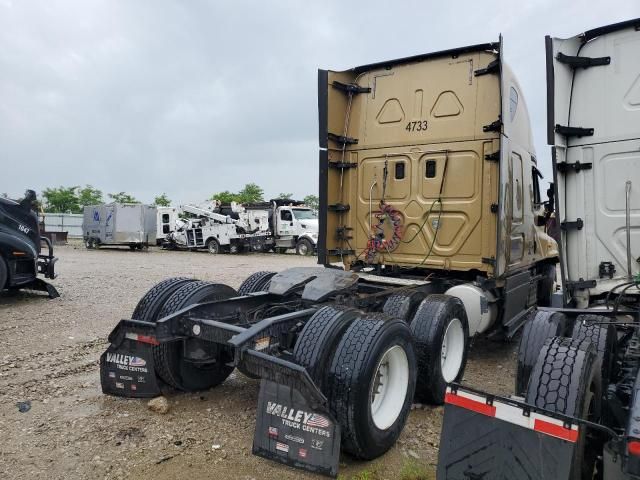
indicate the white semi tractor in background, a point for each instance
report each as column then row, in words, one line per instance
column 292, row 223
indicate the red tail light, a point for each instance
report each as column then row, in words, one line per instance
column 634, row 447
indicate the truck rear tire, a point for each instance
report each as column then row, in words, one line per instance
column 603, row 336
column 171, row 367
column 256, row 282
column 403, row 305
column 213, row 246
column 304, row 247
column 441, row 331
column 371, row 384
column 150, row 304
column 319, row 339
column 540, row 326
column 566, row 379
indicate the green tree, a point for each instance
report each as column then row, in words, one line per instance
column 122, row 197
column 225, row 197
column 312, row 201
column 89, row 196
column 61, row 200
column 251, row 193
column 162, row 201
column 285, row 196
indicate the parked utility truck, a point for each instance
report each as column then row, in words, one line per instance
column 576, row 413
column 220, row 231
column 167, row 218
column 430, row 205
column 292, row 223
column 21, row 255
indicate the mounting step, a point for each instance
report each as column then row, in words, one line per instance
column 338, row 207
column 342, row 139
column 582, row 62
column 574, row 131
column 577, row 225
column 493, row 67
column 493, row 126
column 350, row 87
column 342, row 165
column 573, row 167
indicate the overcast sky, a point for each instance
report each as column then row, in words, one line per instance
column 194, row 97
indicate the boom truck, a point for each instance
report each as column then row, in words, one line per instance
column 576, row 409
column 220, row 230
column 429, row 235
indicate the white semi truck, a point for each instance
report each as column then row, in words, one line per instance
column 293, row 225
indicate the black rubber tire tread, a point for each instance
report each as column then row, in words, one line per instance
column 603, row 336
column 309, row 247
column 167, row 355
column 403, row 305
column 319, row 339
column 256, row 282
column 566, row 379
column 349, row 381
column 545, row 284
column 428, row 327
column 4, row 273
column 150, row 304
column 215, row 242
column 540, row 326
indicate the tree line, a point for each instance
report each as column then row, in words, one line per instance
column 253, row 193
column 74, row 199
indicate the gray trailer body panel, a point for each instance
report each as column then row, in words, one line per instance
column 119, row 224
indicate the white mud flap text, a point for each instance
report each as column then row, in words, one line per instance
column 289, row 431
column 127, row 368
column 489, row 438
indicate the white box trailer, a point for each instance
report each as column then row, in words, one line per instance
column 128, row 224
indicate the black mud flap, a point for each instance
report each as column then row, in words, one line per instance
column 290, row 432
column 488, row 438
column 126, row 368
column 41, row 286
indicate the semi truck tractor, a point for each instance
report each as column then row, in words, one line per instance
column 293, row 225
column 575, row 412
column 429, row 235
column 22, row 258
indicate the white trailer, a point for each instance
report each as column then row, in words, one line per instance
column 130, row 224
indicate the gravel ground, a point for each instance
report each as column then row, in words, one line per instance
column 49, row 352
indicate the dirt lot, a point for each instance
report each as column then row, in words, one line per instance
column 49, row 352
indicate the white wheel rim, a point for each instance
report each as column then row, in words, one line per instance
column 452, row 350
column 303, row 248
column 389, row 387
column 213, row 248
